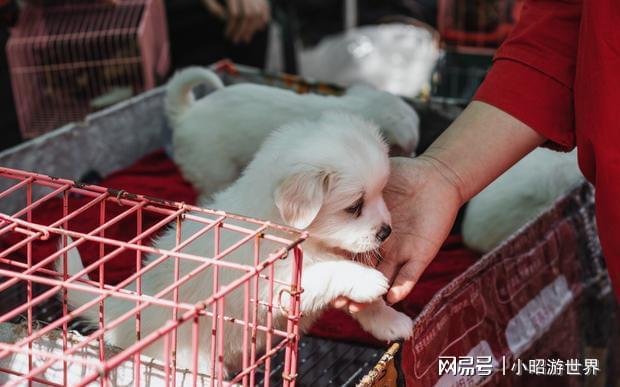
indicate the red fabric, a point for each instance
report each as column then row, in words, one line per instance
column 156, row 175
column 558, row 73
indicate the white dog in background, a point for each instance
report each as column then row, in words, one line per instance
column 517, row 196
column 325, row 176
column 215, row 137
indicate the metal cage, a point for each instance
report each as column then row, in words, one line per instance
column 34, row 278
column 74, row 58
column 476, row 24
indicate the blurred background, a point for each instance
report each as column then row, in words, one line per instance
column 63, row 59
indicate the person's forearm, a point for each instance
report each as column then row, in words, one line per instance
column 479, row 146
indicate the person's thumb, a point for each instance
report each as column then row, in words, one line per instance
column 389, row 268
column 406, row 278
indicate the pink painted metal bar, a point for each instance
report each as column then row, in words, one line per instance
column 34, row 378
column 157, row 205
column 29, row 283
column 47, row 354
column 15, row 187
column 65, row 276
column 190, row 314
column 250, row 275
column 52, row 45
column 151, row 338
column 128, row 295
column 51, row 258
column 74, row 213
column 122, row 284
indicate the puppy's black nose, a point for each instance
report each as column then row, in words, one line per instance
column 384, row 232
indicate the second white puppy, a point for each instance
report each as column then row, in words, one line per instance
column 215, row 137
column 325, row 176
column 518, row 196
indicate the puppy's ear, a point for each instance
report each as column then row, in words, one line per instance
column 299, row 197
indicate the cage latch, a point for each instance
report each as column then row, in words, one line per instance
column 291, row 293
column 289, row 378
column 25, row 227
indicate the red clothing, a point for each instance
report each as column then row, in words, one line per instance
column 559, row 73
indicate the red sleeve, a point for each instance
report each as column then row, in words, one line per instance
column 533, row 71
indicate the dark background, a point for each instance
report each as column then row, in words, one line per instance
column 196, row 37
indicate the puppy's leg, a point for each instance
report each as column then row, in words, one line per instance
column 324, row 281
column 384, row 322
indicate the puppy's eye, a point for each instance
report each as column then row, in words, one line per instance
column 356, row 208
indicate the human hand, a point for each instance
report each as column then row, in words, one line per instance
column 244, row 17
column 424, row 194
column 423, row 198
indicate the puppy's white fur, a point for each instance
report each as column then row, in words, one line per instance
column 215, row 137
column 517, row 196
column 306, row 174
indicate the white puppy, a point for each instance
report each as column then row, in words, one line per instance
column 215, row 137
column 517, row 196
column 325, row 176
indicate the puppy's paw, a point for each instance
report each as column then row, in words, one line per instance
column 389, row 325
column 367, row 285
column 393, row 325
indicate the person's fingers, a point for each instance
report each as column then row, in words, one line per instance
column 406, row 278
column 262, row 14
column 235, row 13
column 250, row 22
column 243, row 21
column 234, row 8
column 215, row 8
column 251, row 30
column 231, row 28
column 245, row 18
column 389, row 268
column 265, row 12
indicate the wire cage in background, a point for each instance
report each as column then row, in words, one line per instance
column 470, row 32
column 72, row 58
column 37, row 328
column 476, row 23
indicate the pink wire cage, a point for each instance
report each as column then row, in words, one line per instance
column 52, row 354
column 70, row 58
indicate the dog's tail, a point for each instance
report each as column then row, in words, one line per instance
column 179, row 95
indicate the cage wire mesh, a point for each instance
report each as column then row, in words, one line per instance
column 477, row 23
column 71, row 58
column 470, row 32
column 38, row 229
